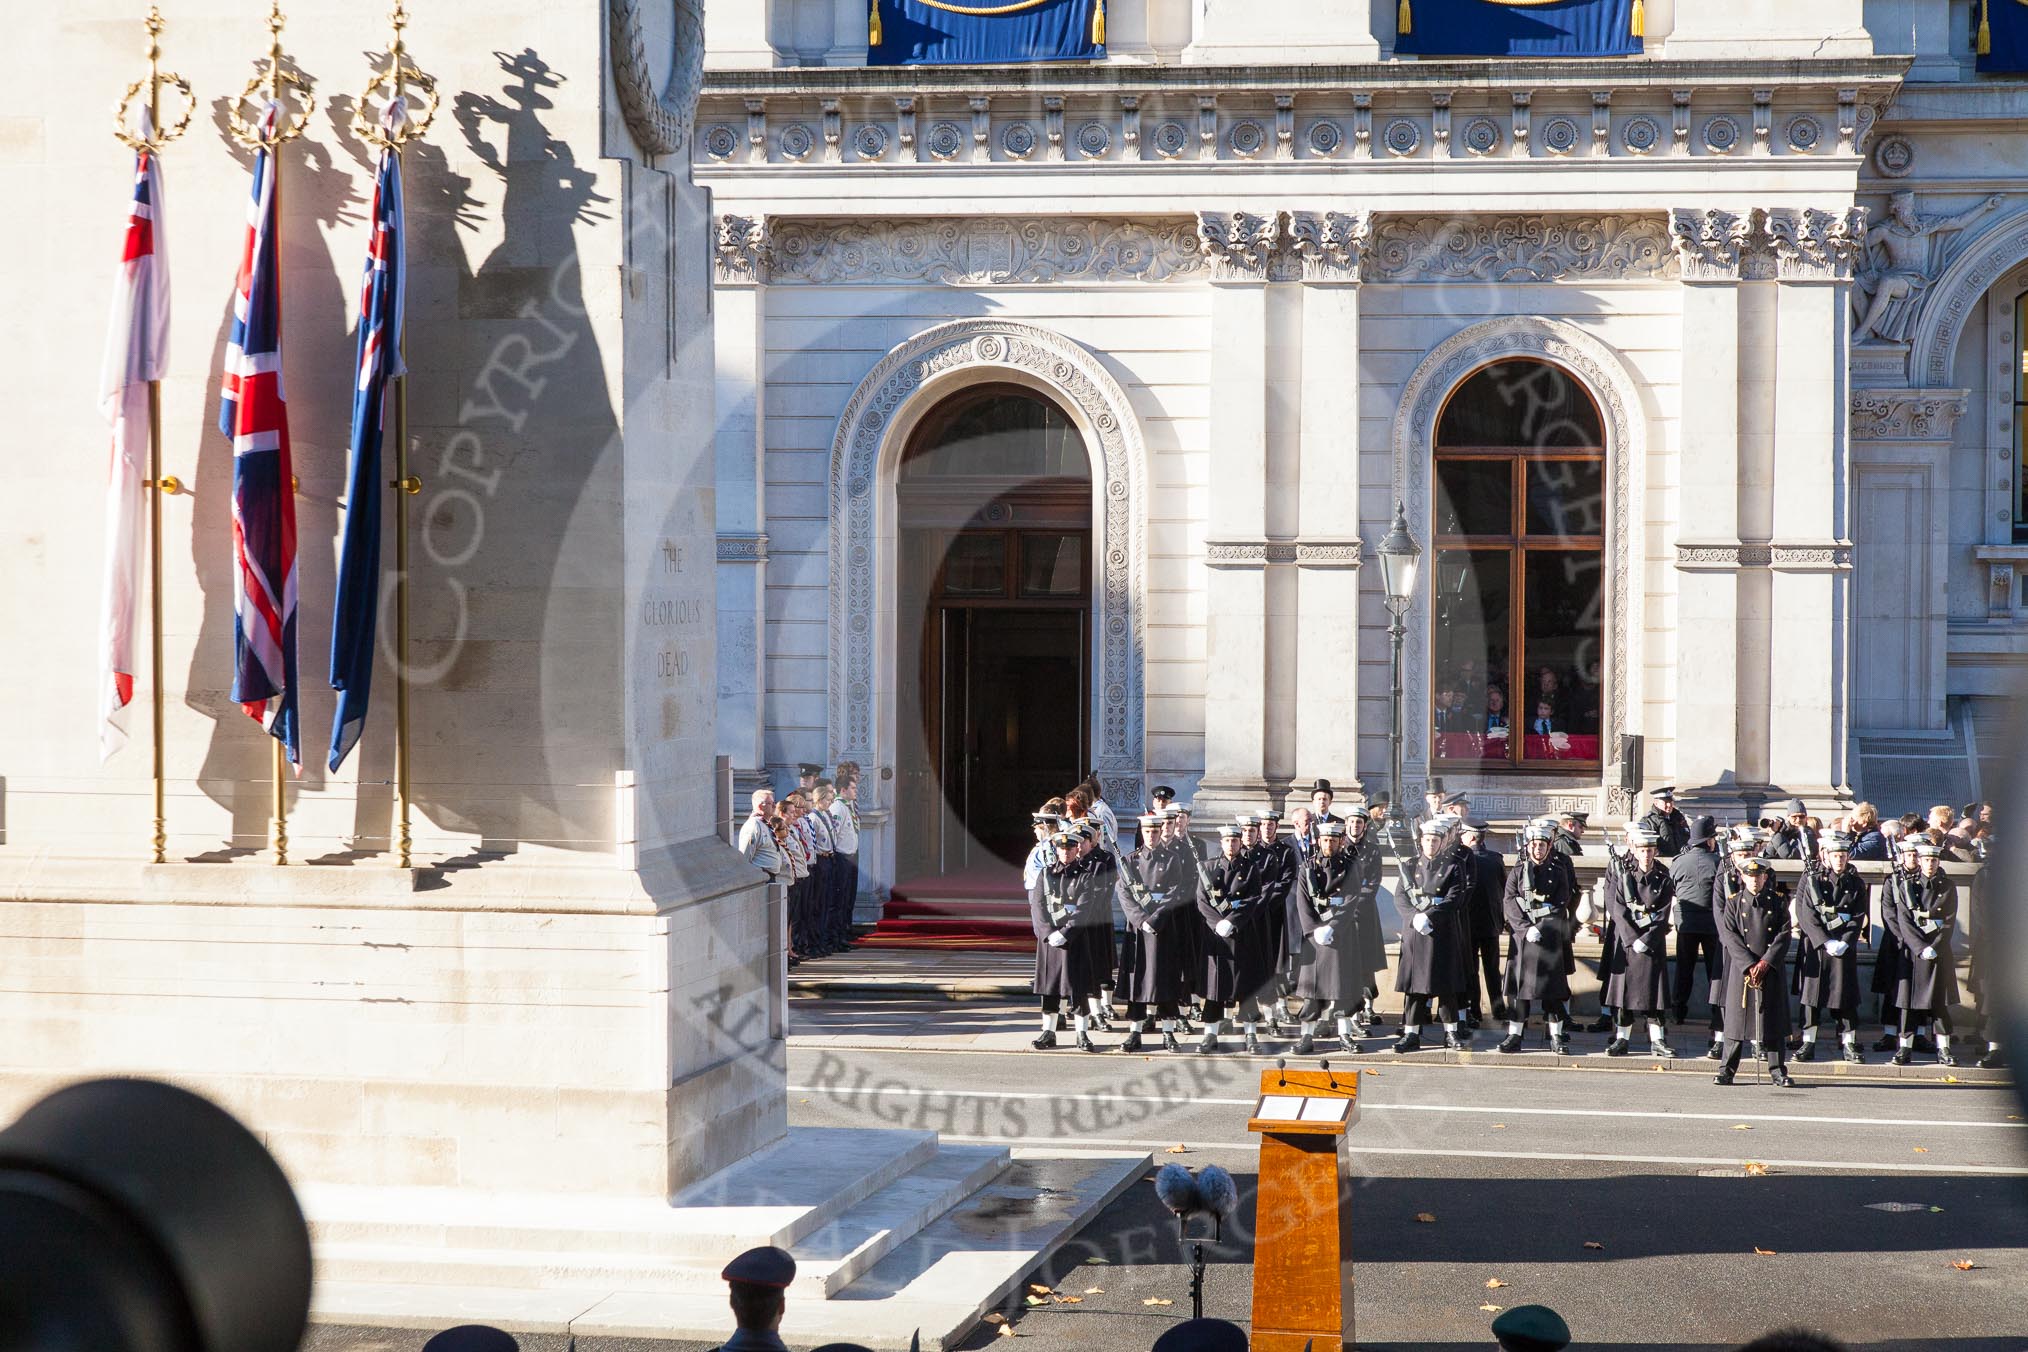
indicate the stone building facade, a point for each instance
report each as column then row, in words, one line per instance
column 1253, row 258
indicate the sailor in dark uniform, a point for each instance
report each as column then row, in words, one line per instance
column 1230, row 943
column 1832, row 914
column 1156, row 894
column 1671, row 827
column 1063, row 919
column 1638, row 896
column 1887, row 942
column 1369, row 941
column 1540, row 907
column 1278, row 862
column 1980, row 900
column 1925, row 918
column 1484, row 926
column 1327, row 973
column 1161, row 796
column 1432, row 966
column 757, row 1284
column 1754, row 926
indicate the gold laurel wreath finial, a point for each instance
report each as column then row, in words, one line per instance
column 402, row 81
column 278, row 85
column 153, row 134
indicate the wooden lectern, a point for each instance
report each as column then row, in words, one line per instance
column 1302, row 1248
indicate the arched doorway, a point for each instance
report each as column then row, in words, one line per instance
column 994, row 513
column 1517, row 662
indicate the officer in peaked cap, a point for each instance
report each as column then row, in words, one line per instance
column 1671, row 827
column 1161, row 795
column 1531, row 1328
column 806, row 775
column 757, row 1281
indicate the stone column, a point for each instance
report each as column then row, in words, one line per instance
column 1241, row 247
column 1707, row 729
column 740, row 256
column 1810, row 551
column 850, row 33
column 1327, row 246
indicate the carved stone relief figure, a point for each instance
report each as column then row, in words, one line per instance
column 1903, row 254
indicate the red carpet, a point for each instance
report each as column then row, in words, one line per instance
column 979, row 910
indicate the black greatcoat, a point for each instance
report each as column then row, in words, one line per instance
column 1434, row 963
column 1056, row 902
column 1369, row 941
column 1831, row 908
column 1277, row 866
column 1672, row 826
column 1637, row 908
column 1219, row 978
column 1541, row 897
column 1160, row 973
column 1887, row 940
column 1325, row 900
column 1489, row 884
column 1926, row 916
column 1753, row 929
column 1095, row 888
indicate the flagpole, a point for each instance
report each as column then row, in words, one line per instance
column 396, row 76
column 274, row 82
column 154, row 137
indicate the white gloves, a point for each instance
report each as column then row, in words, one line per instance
column 1324, row 934
column 1929, row 954
column 1837, row 948
column 1422, row 923
column 1641, row 946
column 1535, row 934
column 1147, row 927
column 1225, row 929
column 1056, row 939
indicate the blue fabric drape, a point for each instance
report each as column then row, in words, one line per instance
column 1487, row 28
column 915, row 34
column 2007, row 28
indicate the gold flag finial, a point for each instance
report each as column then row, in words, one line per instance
column 873, row 23
column 1638, row 25
column 405, row 84
column 152, row 134
column 1098, row 23
column 1404, row 22
column 1982, row 44
column 276, row 84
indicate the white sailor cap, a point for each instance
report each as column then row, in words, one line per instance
column 1926, row 849
column 1230, row 833
column 1063, row 840
column 1151, row 819
column 1540, row 830
column 1436, row 826
column 1837, row 842
column 1245, row 819
column 1334, row 827
column 1170, row 813
column 1642, row 837
column 1270, row 815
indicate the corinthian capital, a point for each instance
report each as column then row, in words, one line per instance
column 1328, row 244
column 1709, row 243
column 1239, row 244
column 1811, row 244
column 743, row 249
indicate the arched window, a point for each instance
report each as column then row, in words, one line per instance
column 1518, row 588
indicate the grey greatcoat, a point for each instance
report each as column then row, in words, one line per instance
column 1637, row 908
column 1326, row 899
column 1155, row 968
column 1755, row 929
column 1830, row 908
column 1434, row 964
column 1924, row 913
column 1059, row 902
column 1541, row 897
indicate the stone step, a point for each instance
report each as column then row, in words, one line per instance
column 830, row 1259
column 800, row 1184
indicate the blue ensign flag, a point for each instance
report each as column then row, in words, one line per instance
column 1518, row 28
column 984, row 32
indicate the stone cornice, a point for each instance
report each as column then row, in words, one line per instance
column 1259, row 553
column 1783, row 556
column 742, row 549
column 1906, row 415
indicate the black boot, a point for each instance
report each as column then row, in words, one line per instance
column 1617, row 1047
column 1716, row 1050
column 1779, row 1077
column 1992, row 1060
column 1452, row 1042
column 1724, row 1075
column 1603, row 1025
column 1852, row 1053
column 1559, row 1046
column 1304, row 1046
column 1252, row 1043
column 1169, row 1042
column 1133, row 1042
column 1663, row 1050
column 1888, row 1042
column 1946, row 1059
column 1410, row 1042
column 1807, row 1052
column 1509, row 1044
column 1210, row 1042
column 1902, row 1056
column 1084, row 1042
column 1044, row 1041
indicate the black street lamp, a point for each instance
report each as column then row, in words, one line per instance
column 1399, row 555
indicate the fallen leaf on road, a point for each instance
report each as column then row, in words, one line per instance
column 1764, row 1253
column 1741, row 1126
column 995, row 1317
column 1593, row 1244
column 1425, row 1218
column 1093, row 1262
column 1035, row 1300
column 1094, row 1290
column 1038, row 1289
column 1494, row 1283
column 1921, row 1149
column 1070, row 1300
column 1950, row 1079
column 1964, row 1265
column 1661, row 1069
column 1178, row 1150
column 1753, row 1169
column 1492, row 1309
column 1499, row 1126
column 1935, row 1209
column 1158, row 1300
column 1007, row 1331
column 1369, row 1072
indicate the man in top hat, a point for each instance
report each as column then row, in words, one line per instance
column 757, row 1282
column 1433, row 960
column 1670, row 826
column 1832, row 915
column 1694, row 875
column 1638, row 898
column 1484, row 925
column 1755, row 929
column 1321, row 798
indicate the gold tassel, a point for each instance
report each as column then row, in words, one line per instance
column 1640, row 22
column 1098, row 23
column 1984, row 45
column 873, row 24
column 1404, row 22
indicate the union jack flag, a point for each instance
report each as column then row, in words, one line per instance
column 137, row 349
column 357, row 609
column 251, row 411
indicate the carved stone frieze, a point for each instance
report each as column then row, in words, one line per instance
column 742, row 549
column 986, row 251
column 742, row 250
column 1519, row 248
column 1235, row 553
column 1814, row 556
column 1239, row 244
column 1906, row 415
column 1721, row 556
column 1260, row 553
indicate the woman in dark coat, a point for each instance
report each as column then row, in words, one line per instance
column 1433, row 943
column 1925, row 918
column 1755, row 930
column 1638, row 894
column 1832, row 917
column 1327, row 967
column 1539, row 904
column 1064, row 969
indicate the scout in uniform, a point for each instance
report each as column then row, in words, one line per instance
column 845, row 834
column 1754, row 927
column 823, row 867
column 1925, row 917
column 1638, row 894
column 1540, row 908
column 1433, row 943
column 1831, row 913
